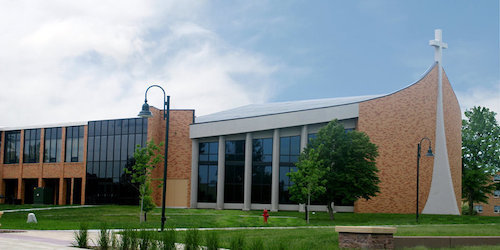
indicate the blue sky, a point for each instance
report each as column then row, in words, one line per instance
column 94, row 59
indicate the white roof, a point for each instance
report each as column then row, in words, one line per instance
column 254, row 110
column 54, row 125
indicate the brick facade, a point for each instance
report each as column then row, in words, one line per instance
column 179, row 155
column 396, row 123
column 59, row 172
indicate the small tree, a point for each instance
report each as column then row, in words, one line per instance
column 308, row 179
column 146, row 159
column 346, row 166
column 480, row 155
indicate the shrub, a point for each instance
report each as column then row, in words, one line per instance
column 103, row 241
column 237, row 242
column 168, row 239
column 192, row 239
column 256, row 244
column 212, row 240
column 81, row 237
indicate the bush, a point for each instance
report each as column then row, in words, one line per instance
column 168, row 239
column 82, row 236
column 192, row 239
column 212, row 240
column 257, row 244
column 237, row 242
column 103, row 241
column 146, row 241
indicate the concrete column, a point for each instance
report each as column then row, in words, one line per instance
column 195, row 151
column 304, row 138
column 20, row 189
column 276, row 172
column 247, row 184
column 221, row 170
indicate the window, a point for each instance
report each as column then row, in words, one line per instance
column 497, row 177
column 110, row 149
column 262, row 157
column 311, row 137
column 234, row 171
column 497, row 209
column 74, row 144
column 289, row 155
column 52, row 145
column 207, row 171
column 31, row 146
column 478, row 208
column 12, row 147
column 496, row 194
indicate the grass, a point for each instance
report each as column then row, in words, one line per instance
column 128, row 217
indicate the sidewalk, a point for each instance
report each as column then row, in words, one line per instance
column 40, row 239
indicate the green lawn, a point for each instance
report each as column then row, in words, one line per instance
column 302, row 238
column 128, row 216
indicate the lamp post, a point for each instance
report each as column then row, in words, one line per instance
column 145, row 113
column 429, row 153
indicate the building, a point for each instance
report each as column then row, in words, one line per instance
column 241, row 156
column 492, row 208
column 83, row 163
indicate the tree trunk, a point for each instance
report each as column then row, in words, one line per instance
column 145, row 216
column 142, row 203
column 471, row 206
column 308, row 206
column 330, row 210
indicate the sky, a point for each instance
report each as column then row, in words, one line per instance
column 66, row 61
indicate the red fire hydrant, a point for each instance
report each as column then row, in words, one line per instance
column 265, row 215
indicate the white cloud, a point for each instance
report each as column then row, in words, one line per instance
column 90, row 60
column 489, row 98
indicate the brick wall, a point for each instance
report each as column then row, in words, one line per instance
column 396, row 123
column 179, row 150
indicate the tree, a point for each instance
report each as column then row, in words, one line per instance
column 480, row 155
column 346, row 161
column 146, row 158
column 307, row 179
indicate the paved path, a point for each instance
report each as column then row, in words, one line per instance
column 40, row 239
column 45, row 208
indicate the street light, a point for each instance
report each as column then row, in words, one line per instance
column 430, row 154
column 145, row 113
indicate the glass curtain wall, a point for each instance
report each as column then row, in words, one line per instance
column 74, row 144
column 12, row 147
column 31, row 146
column 235, row 171
column 207, row 171
column 52, row 145
column 289, row 155
column 110, row 149
column 262, row 157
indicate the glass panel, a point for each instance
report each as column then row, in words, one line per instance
column 91, row 128
column 104, row 147
column 284, row 145
column 98, row 128
column 90, row 149
column 109, row 150
column 124, row 145
column 118, row 127
column 104, row 128
column 138, row 126
column 131, row 126
column 117, row 147
column 295, row 145
column 144, row 125
column 131, row 146
column 124, row 127
column 111, row 127
column 97, row 148
column 80, row 149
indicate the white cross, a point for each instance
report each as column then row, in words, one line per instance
column 438, row 44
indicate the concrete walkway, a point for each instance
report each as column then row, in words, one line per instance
column 40, row 239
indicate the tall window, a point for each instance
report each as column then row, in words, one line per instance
column 74, row 144
column 12, row 147
column 52, row 145
column 235, row 171
column 110, row 149
column 289, row 155
column 262, row 157
column 207, row 172
column 31, row 146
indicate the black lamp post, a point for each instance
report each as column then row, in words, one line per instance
column 145, row 113
column 429, row 153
